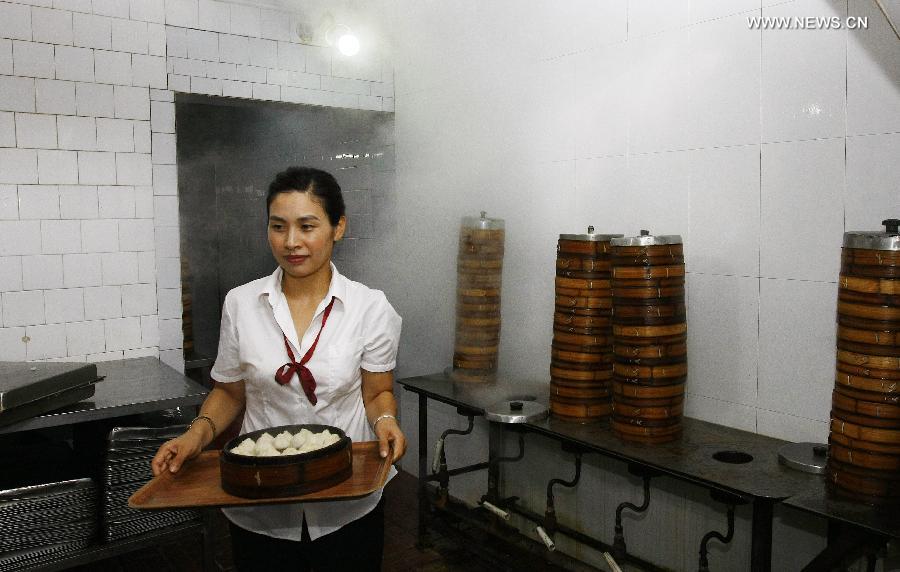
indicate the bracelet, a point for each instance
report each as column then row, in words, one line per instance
column 206, row 418
column 381, row 418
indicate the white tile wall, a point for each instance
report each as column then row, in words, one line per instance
column 17, row 93
column 725, row 66
column 96, row 168
column 53, row 96
column 10, row 273
column 78, row 202
column 76, row 133
column 42, row 272
column 723, row 313
column 132, row 102
column 213, row 15
column 33, row 59
column 15, row 21
column 7, row 129
column 796, row 176
column 139, row 235
column 20, row 237
column 38, row 202
column 57, row 167
column 60, row 236
column 11, row 346
column 82, row 270
column 9, row 202
column 64, row 305
column 873, row 177
column 116, row 202
column 119, row 268
column 148, row 10
column 130, row 36
column 85, row 337
column 102, row 302
column 18, row 166
column 74, row 64
column 100, row 235
column 45, row 342
column 94, row 100
column 724, row 215
column 113, row 67
column 804, row 76
column 796, row 345
column 23, row 308
column 138, row 299
column 115, row 135
column 92, row 31
column 134, row 169
column 123, row 333
column 35, row 131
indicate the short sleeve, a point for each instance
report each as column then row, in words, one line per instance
column 228, row 361
column 381, row 331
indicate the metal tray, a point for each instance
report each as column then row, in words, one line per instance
column 46, row 404
column 25, row 382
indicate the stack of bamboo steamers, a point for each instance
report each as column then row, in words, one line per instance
column 479, row 266
column 619, row 333
column 649, row 337
column 864, row 451
column 581, row 351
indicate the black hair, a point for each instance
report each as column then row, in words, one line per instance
column 321, row 184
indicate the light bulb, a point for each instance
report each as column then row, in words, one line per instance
column 348, row 44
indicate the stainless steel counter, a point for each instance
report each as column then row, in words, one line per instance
column 131, row 386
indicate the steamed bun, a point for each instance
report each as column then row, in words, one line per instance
column 283, row 440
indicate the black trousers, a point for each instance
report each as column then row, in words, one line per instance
column 356, row 547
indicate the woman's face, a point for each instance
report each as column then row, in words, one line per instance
column 300, row 234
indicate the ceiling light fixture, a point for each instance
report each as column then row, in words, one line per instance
column 348, row 44
column 342, row 36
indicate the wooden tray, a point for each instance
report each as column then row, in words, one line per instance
column 197, row 484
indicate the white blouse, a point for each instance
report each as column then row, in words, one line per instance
column 362, row 332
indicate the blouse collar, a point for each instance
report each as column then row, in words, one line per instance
column 337, row 288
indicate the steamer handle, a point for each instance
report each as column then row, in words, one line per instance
column 891, row 225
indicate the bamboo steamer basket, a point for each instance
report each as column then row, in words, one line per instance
column 266, row 477
column 581, row 350
column 649, row 337
column 479, row 267
column 864, row 453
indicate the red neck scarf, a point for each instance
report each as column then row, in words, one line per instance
column 285, row 373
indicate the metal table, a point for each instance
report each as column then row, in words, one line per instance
column 763, row 481
column 131, row 386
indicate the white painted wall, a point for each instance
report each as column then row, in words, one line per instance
column 759, row 147
column 89, row 249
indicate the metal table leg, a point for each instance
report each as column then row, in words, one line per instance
column 761, row 543
column 495, row 449
column 423, row 471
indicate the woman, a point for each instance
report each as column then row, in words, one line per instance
column 304, row 345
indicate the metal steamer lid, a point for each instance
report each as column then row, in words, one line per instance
column 647, row 239
column 590, row 236
column 516, row 411
column 806, row 457
column 875, row 240
column 483, row 222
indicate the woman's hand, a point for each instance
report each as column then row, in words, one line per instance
column 389, row 435
column 378, row 399
column 173, row 453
